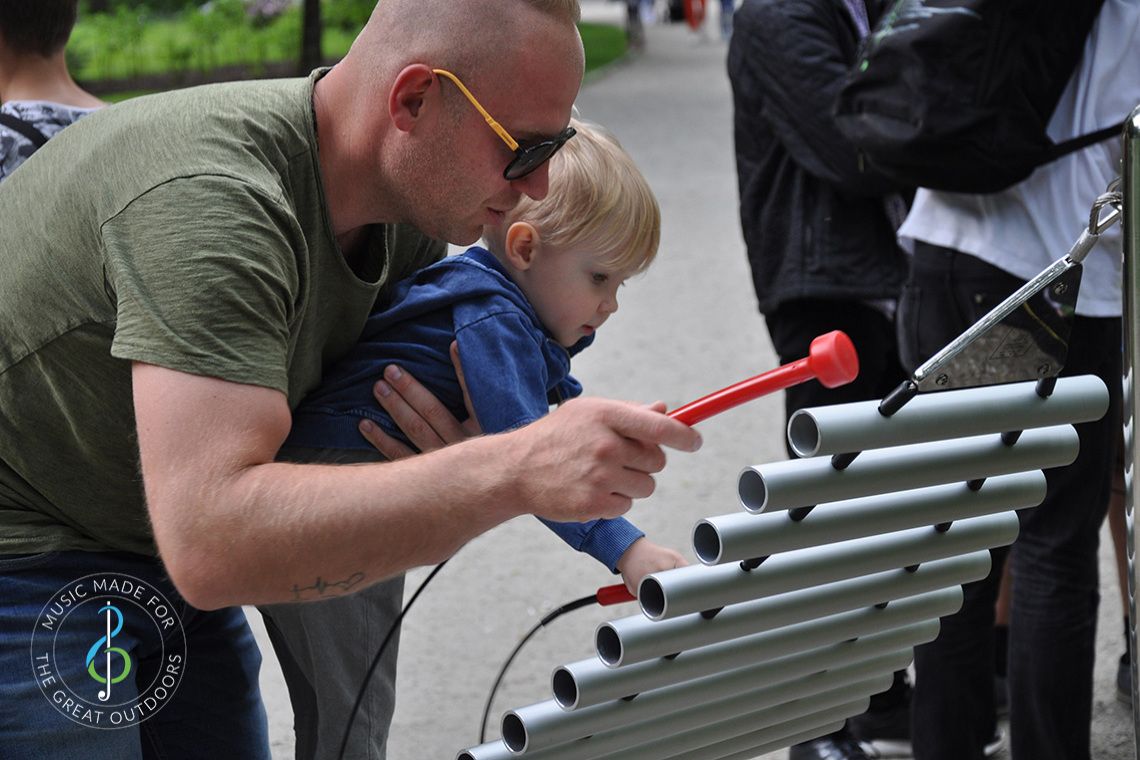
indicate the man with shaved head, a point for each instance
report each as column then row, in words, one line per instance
column 177, row 272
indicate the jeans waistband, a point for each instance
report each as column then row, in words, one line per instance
column 936, row 259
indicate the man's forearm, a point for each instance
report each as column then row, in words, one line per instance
column 234, row 527
column 283, row 532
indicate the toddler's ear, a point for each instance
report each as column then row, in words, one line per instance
column 521, row 245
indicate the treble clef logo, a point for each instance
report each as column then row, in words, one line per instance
column 105, row 694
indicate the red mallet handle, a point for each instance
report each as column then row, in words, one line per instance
column 616, row 594
column 831, row 360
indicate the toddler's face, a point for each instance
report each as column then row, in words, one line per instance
column 572, row 291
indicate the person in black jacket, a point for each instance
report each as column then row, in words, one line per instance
column 820, row 231
column 817, row 222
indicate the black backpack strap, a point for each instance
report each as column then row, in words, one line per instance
column 1079, row 142
column 16, row 124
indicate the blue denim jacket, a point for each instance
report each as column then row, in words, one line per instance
column 513, row 368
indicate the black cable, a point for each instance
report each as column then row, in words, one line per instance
column 380, row 653
column 568, row 607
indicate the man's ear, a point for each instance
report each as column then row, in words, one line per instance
column 521, row 245
column 406, row 98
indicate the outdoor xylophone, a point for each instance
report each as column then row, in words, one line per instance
column 806, row 603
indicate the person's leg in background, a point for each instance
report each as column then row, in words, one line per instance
column 1118, row 529
column 727, row 8
column 695, row 18
column 1055, row 573
column 792, row 328
column 326, row 647
column 953, row 711
column 1053, row 560
column 634, row 25
column 648, row 11
column 1001, row 642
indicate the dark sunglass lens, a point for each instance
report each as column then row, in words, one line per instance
column 530, row 158
column 515, row 171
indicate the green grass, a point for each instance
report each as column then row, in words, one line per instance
column 123, row 45
column 604, row 44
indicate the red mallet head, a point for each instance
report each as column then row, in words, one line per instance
column 833, row 360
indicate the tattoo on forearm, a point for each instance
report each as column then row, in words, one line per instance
column 322, row 588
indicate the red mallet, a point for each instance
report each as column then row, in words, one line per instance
column 831, row 360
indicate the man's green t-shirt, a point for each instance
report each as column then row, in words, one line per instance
column 187, row 230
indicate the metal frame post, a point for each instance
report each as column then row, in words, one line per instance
column 1131, row 224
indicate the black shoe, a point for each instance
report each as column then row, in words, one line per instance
column 1124, row 679
column 886, row 732
column 837, row 746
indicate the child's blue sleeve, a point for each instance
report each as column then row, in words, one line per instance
column 507, row 375
column 604, row 540
column 504, row 370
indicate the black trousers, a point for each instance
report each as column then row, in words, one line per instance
column 1054, row 560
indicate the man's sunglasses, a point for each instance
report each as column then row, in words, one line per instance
column 527, row 157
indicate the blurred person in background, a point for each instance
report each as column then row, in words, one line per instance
column 38, row 97
column 820, row 231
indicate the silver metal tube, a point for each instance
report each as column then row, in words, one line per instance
column 842, row 428
column 1131, row 223
column 747, row 731
column 696, row 728
column 637, row 639
column 590, row 682
column 807, row 482
column 752, row 754
column 493, row 750
column 727, row 538
column 545, row 724
column 697, row 588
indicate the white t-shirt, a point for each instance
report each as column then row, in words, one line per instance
column 1027, row 227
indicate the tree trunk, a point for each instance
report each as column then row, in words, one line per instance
column 310, row 36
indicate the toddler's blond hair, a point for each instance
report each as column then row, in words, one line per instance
column 597, row 198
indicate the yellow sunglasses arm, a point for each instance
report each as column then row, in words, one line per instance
column 510, row 141
column 502, row 133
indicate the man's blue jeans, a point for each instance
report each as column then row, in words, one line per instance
column 189, row 675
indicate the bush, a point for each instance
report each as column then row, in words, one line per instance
column 347, row 15
column 164, row 36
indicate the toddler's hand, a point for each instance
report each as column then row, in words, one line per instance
column 644, row 557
